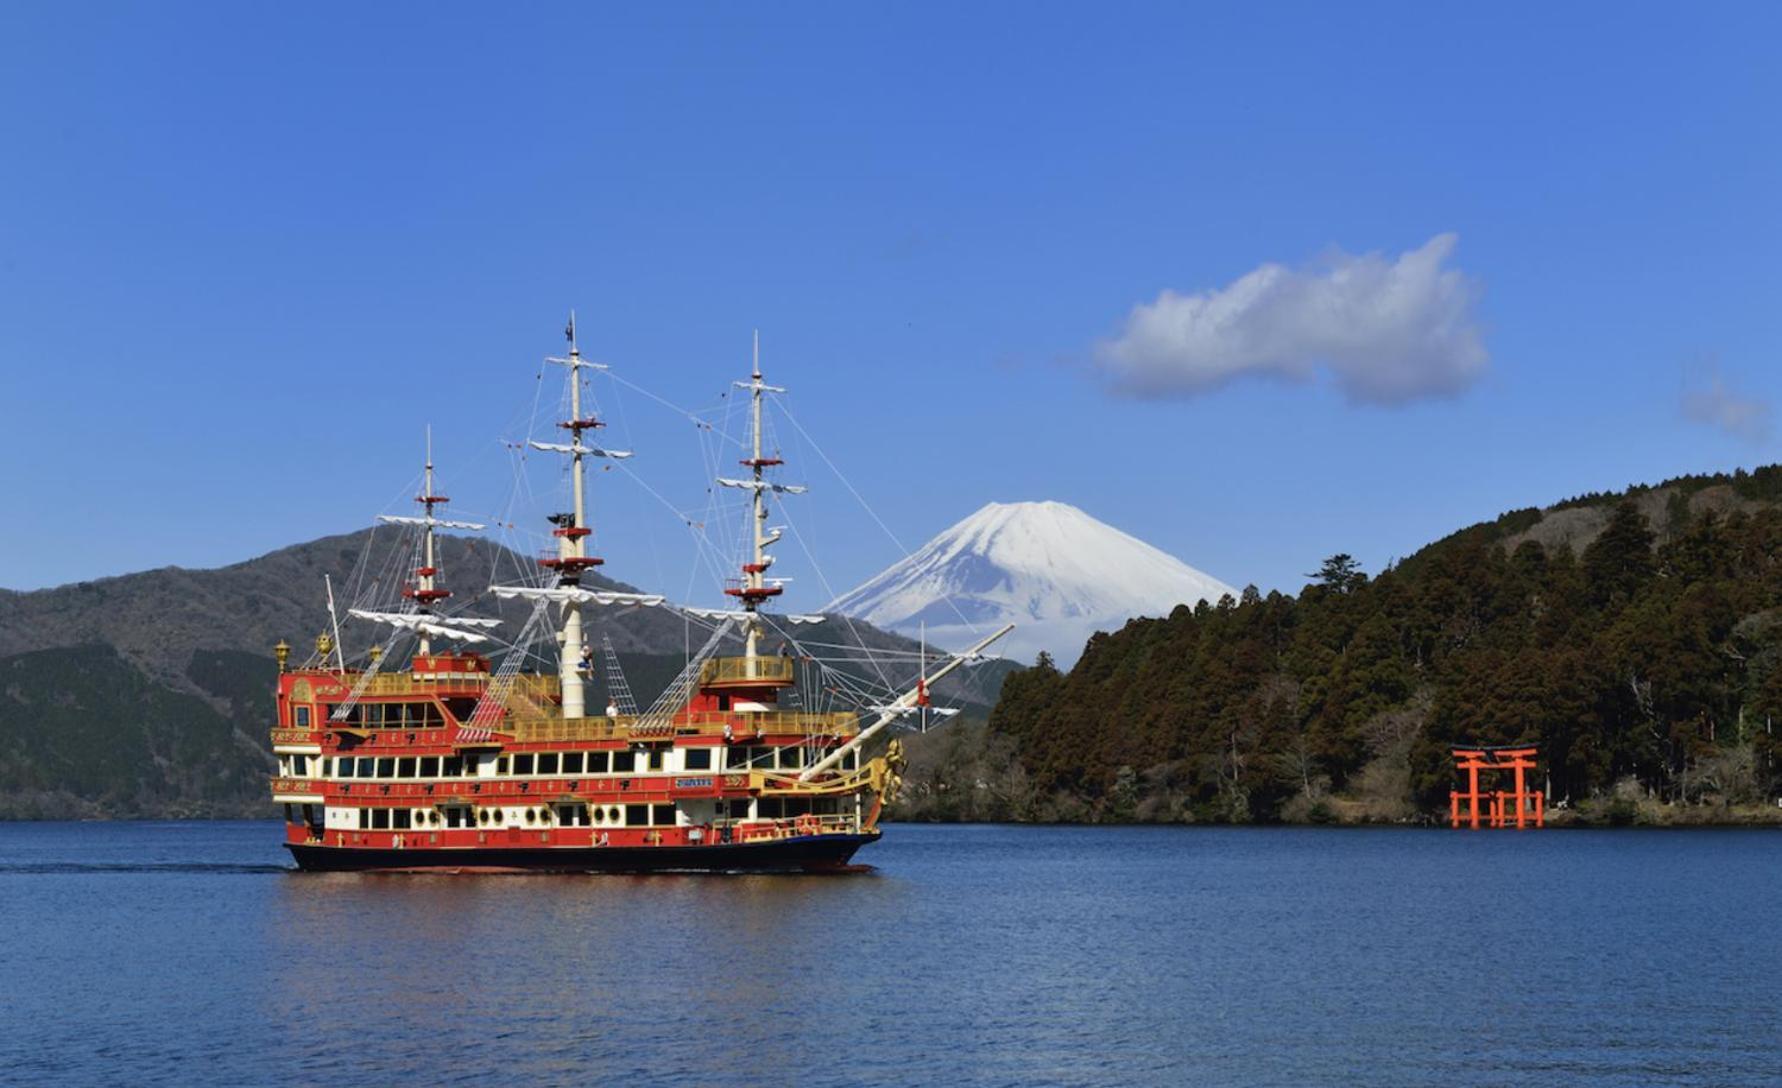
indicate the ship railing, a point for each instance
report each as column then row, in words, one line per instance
column 411, row 683
column 746, row 670
column 741, row 726
column 792, row 826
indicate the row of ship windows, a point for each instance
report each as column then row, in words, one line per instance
column 559, row 815
column 552, row 763
column 383, row 715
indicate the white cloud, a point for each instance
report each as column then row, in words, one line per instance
column 1387, row 330
column 1717, row 406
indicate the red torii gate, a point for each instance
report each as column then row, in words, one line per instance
column 1504, row 805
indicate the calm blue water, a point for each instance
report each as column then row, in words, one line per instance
column 186, row 953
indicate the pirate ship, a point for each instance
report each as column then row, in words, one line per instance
column 467, row 759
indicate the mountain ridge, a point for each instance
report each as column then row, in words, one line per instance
column 1053, row 570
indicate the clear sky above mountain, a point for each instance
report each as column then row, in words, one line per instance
column 1252, row 283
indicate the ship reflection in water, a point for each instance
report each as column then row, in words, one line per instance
column 182, row 954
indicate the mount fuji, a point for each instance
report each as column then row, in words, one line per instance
column 1055, row 572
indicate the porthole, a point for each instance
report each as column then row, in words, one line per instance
column 482, row 816
column 612, row 814
column 529, row 816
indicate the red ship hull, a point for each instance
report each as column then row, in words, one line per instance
column 798, row 854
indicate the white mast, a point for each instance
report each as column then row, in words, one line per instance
column 425, row 591
column 424, row 588
column 754, row 588
column 573, row 531
column 755, row 570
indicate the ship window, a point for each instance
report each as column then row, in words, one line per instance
column 373, row 714
column 624, row 762
column 599, row 814
column 343, row 767
column 654, row 755
column 400, row 819
column 482, row 817
column 380, row 819
column 572, row 815
column 850, row 760
column 529, row 816
column 637, row 815
column 547, row 763
column 303, row 717
column 791, row 758
column 364, row 767
column 501, row 765
column 751, row 757
column 405, row 767
column 452, row 766
column 429, row 766
column 572, row 763
column 523, row 763
column 597, row 763
column 662, row 815
column 386, row 767
column 739, row 810
column 772, row 808
column 699, row 759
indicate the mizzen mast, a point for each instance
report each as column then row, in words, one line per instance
column 425, row 590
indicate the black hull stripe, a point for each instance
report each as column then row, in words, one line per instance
column 801, row 854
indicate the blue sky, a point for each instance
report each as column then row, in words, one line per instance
column 248, row 252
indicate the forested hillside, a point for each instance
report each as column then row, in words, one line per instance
column 1634, row 637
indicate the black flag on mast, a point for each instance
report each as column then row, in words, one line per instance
column 569, row 329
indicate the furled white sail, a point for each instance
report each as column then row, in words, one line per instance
column 578, row 594
column 725, row 614
column 764, row 485
column 414, row 621
column 586, row 451
column 403, row 519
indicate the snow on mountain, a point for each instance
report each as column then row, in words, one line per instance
column 1055, row 572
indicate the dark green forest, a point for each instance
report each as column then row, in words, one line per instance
column 1643, row 663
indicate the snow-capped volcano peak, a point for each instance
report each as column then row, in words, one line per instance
column 1052, row 570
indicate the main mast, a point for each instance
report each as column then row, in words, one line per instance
column 573, row 530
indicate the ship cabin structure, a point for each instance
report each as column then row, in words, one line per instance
column 407, row 771
column 458, row 761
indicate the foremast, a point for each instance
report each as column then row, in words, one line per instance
column 754, row 588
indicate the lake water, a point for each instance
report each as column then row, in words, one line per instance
column 188, row 953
